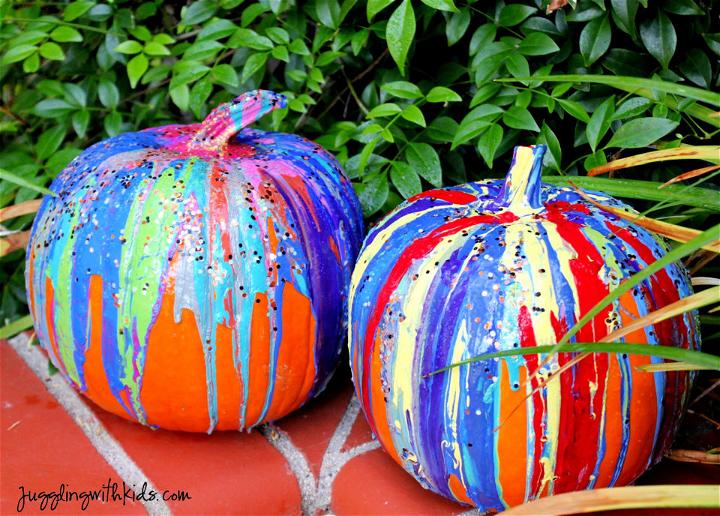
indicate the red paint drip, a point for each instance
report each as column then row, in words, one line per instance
column 451, row 196
column 527, row 340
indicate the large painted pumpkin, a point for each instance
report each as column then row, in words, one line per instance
column 195, row 277
column 487, row 266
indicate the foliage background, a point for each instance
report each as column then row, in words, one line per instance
column 404, row 92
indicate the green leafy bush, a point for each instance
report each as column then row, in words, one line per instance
column 408, row 94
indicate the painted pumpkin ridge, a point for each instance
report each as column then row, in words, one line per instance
column 493, row 265
column 194, row 267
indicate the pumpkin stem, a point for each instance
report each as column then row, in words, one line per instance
column 230, row 118
column 521, row 192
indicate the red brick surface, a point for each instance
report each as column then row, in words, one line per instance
column 226, row 473
column 41, row 445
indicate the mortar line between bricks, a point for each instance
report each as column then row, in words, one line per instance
column 104, row 443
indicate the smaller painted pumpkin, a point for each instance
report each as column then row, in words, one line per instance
column 194, row 277
column 458, row 272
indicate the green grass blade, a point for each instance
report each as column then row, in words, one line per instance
column 630, row 84
column 687, row 356
column 12, row 178
column 647, row 190
column 674, row 255
column 15, row 327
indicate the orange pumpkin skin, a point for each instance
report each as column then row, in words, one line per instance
column 194, row 277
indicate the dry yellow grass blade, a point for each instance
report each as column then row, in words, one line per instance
column 707, row 152
column 704, row 281
column 671, row 231
column 616, row 498
column 13, row 242
column 23, row 208
column 669, row 366
column 689, row 175
column 706, row 297
column 696, row 456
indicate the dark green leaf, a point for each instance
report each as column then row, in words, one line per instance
column 375, row 6
column 469, row 129
column 198, row 12
column 129, row 47
column 424, row 159
column 32, row 63
column 201, row 50
column 489, row 142
column 538, row 44
column 600, row 122
column 442, row 129
column 641, row 132
column 51, row 108
column 514, row 14
column 553, row 158
column 520, row 118
column 254, row 64
column 18, row 53
column 65, row 35
column 251, row 12
column 400, row 32
column 247, row 38
column 457, row 25
column 153, row 48
column 595, row 39
column 441, row 5
column 384, row 110
column 80, row 121
column 328, row 12
column 75, row 10
column 108, row 93
column 625, row 12
column 484, row 93
column 113, row 123
column 517, row 65
column 278, row 35
column 697, row 68
column 405, row 179
column 713, row 42
column 136, row 67
column 402, row 89
column 180, row 95
column 683, row 8
column 658, row 36
column 632, row 107
column 484, row 35
column 201, row 90
column 49, row 142
column 442, row 94
column 50, row 50
column 372, row 194
column 539, row 24
column 575, row 109
column 226, row 75
column 595, row 160
column 217, row 29
column 299, row 47
column 413, row 114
